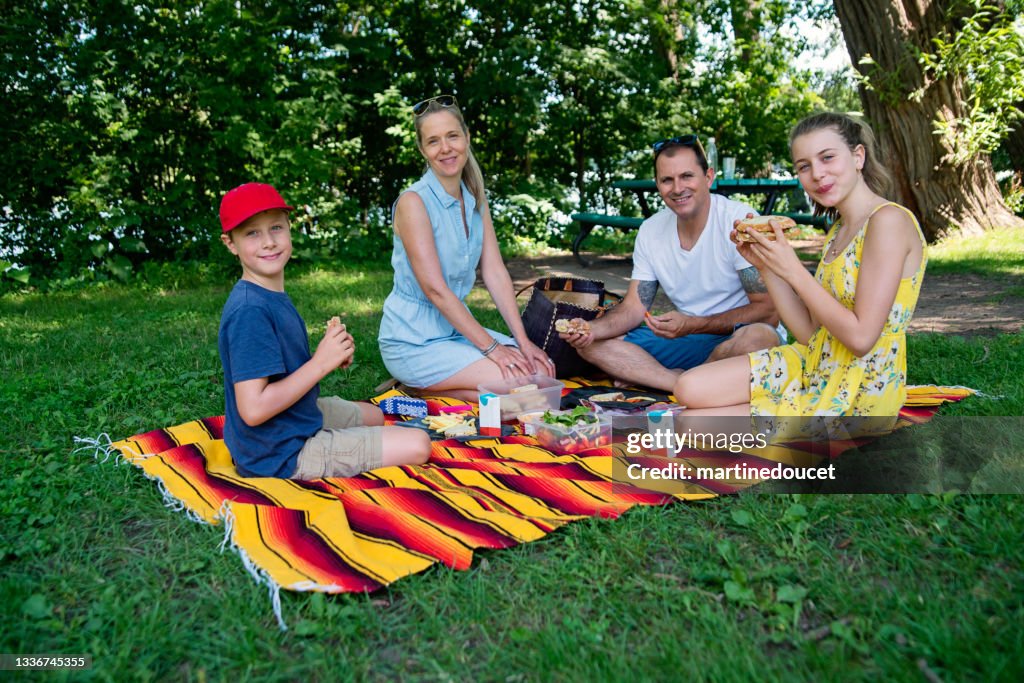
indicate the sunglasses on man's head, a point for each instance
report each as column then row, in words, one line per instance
column 420, row 108
column 679, row 141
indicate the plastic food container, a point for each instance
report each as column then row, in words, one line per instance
column 547, row 395
column 529, row 422
column 568, row 440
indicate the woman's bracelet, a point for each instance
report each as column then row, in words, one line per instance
column 494, row 344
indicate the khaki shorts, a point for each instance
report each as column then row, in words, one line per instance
column 343, row 448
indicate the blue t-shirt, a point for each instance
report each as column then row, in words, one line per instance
column 262, row 335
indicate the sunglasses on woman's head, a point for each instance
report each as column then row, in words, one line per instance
column 420, row 108
column 681, row 140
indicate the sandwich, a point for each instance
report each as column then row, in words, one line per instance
column 762, row 225
column 609, row 397
column 574, row 326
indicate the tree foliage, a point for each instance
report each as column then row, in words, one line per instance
column 987, row 50
column 126, row 121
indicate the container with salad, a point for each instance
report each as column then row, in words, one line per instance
column 568, row 432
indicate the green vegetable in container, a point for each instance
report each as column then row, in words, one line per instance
column 578, row 415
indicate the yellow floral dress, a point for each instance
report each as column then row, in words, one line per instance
column 823, row 377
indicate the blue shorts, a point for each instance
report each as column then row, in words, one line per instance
column 681, row 353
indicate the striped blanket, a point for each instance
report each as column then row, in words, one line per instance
column 364, row 532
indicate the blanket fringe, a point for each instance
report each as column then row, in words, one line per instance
column 260, row 576
column 306, row 586
column 975, row 392
column 175, row 504
column 101, row 447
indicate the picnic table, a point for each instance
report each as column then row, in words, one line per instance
column 772, row 189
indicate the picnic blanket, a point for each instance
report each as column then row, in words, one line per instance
column 361, row 533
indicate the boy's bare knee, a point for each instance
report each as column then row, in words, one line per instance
column 404, row 446
column 425, row 453
column 372, row 415
column 420, row 447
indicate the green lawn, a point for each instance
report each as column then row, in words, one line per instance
column 766, row 587
column 999, row 253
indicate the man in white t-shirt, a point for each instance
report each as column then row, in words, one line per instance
column 722, row 306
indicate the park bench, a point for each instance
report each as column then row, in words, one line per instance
column 770, row 188
column 587, row 222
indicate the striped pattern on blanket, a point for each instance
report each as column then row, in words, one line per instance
column 364, row 532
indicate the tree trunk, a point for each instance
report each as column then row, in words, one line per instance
column 580, row 162
column 944, row 195
column 666, row 45
column 746, row 25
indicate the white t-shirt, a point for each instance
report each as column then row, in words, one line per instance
column 703, row 281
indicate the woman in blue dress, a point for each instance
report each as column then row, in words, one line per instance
column 429, row 339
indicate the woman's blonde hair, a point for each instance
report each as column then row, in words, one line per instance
column 853, row 132
column 471, row 174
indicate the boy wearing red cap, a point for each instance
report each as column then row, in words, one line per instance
column 276, row 424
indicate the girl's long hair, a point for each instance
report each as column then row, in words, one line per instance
column 471, row 173
column 853, row 132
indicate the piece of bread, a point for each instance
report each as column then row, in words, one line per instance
column 523, row 389
column 574, row 326
column 761, row 224
column 333, row 322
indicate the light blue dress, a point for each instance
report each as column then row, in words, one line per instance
column 418, row 344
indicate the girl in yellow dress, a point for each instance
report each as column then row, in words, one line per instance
column 850, row 317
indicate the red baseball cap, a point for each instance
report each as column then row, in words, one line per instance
column 245, row 201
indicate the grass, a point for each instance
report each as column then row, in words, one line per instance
column 999, row 253
column 605, row 241
column 771, row 587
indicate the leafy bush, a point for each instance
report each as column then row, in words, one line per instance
column 1013, row 194
column 132, row 119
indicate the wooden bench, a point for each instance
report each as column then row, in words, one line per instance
column 588, row 221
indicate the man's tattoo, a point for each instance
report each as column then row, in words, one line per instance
column 751, row 281
column 647, row 289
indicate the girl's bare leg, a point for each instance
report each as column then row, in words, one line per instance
column 722, row 384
